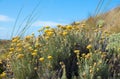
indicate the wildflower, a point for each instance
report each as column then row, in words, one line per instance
column 14, row 40
column 46, row 37
column 18, row 45
column 64, row 33
column 47, row 27
column 98, row 69
column 58, row 26
column 49, row 57
column 34, row 54
column 83, row 55
column 83, row 25
column 61, row 63
column 78, row 63
column 3, row 75
column 20, row 56
column 96, row 30
column 11, row 49
column 76, row 51
column 27, row 38
column 19, row 49
column 50, row 33
column 41, row 59
column 30, row 48
column 35, row 68
column 88, row 56
column 91, row 71
column 89, row 46
column 94, row 64
column 35, row 51
column 68, row 27
column 37, row 45
column 100, row 62
column 0, row 61
column 84, row 74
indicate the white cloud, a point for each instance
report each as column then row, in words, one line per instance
column 46, row 23
column 4, row 18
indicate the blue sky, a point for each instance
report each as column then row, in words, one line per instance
column 49, row 12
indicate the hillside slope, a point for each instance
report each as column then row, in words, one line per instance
column 109, row 21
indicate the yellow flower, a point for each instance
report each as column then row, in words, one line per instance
column 3, row 75
column 98, row 69
column 89, row 46
column 41, row 59
column 96, row 30
column 0, row 61
column 61, row 63
column 99, row 62
column 94, row 64
column 50, row 33
column 30, row 49
column 49, row 57
column 19, row 49
column 84, row 74
column 59, row 26
column 69, row 27
column 34, row 54
column 77, row 51
column 46, row 37
column 27, row 38
column 35, row 51
column 83, row 25
column 83, row 55
column 47, row 27
column 64, row 33
column 46, row 31
column 19, row 44
column 11, row 49
column 91, row 71
column 35, row 68
column 88, row 56
column 20, row 56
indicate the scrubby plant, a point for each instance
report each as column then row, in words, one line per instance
column 63, row 52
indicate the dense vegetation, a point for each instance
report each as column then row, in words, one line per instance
column 82, row 50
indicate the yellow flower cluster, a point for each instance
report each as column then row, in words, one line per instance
column 89, row 46
column 77, row 51
column 19, row 56
column 3, row 75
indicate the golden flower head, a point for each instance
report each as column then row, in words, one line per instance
column 69, row 27
column 47, row 27
column 49, row 57
column 34, row 54
column 83, row 25
column 19, row 49
column 3, row 75
column 89, row 46
column 20, row 56
column 19, row 44
column 84, row 74
column 11, row 49
column 0, row 61
column 64, row 33
column 91, row 71
column 88, row 56
column 35, row 68
column 77, row 51
column 41, row 59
